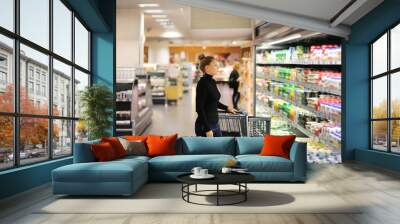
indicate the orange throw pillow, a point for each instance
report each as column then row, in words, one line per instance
column 161, row 145
column 277, row 145
column 116, row 145
column 136, row 137
column 103, row 152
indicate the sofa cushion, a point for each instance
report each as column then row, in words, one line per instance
column 116, row 145
column 275, row 145
column 112, row 171
column 257, row 163
column 161, row 145
column 133, row 158
column 134, row 147
column 249, row 145
column 185, row 163
column 103, row 152
column 202, row 145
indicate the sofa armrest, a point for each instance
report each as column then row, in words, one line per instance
column 298, row 155
column 83, row 152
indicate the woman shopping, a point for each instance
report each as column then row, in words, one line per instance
column 234, row 84
column 207, row 100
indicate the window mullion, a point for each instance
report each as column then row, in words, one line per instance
column 389, row 106
column 16, row 69
column 50, row 81
column 73, row 81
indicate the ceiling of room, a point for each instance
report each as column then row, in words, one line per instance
column 196, row 25
column 332, row 17
column 228, row 20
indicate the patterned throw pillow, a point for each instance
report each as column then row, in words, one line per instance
column 136, row 147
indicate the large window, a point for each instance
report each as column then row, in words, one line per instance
column 40, row 80
column 385, row 94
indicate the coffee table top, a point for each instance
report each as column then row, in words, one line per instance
column 220, row 178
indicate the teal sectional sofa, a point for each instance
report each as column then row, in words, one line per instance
column 125, row 176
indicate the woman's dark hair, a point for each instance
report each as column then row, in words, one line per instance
column 204, row 61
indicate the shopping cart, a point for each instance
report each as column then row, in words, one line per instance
column 241, row 124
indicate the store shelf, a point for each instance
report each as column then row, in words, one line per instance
column 303, row 65
column 312, row 110
column 303, row 130
column 310, row 86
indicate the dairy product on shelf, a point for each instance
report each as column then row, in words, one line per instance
column 314, row 54
column 324, row 79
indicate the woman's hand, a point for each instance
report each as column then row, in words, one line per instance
column 232, row 110
column 210, row 133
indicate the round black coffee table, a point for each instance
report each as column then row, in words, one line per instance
column 238, row 179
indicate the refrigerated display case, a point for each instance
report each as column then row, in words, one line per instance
column 299, row 86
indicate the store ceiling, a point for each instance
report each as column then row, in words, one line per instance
column 222, row 20
column 196, row 25
column 332, row 17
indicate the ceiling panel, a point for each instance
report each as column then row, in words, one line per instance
column 320, row 9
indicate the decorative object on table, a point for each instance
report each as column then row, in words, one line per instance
column 226, row 170
column 96, row 102
column 196, row 170
column 230, row 170
column 239, row 195
column 231, row 163
column 200, row 173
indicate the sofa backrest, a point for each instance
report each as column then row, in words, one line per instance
column 83, row 153
column 249, row 145
column 203, row 145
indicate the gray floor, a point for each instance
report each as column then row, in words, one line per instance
column 174, row 118
column 179, row 118
column 379, row 190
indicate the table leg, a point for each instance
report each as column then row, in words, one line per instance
column 245, row 193
column 217, row 194
column 188, row 190
column 196, row 187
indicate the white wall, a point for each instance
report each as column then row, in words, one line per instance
column 130, row 38
column 158, row 52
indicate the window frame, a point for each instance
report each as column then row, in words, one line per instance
column 16, row 114
column 388, row 74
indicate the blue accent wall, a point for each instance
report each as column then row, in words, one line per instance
column 356, row 84
column 99, row 16
column 104, row 51
column 24, row 178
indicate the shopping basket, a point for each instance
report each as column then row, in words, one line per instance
column 241, row 124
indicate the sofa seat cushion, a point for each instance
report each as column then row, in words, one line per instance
column 133, row 157
column 257, row 163
column 112, row 171
column 185, row 163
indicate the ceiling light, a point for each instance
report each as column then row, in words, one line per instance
column 285, row 39
column 171, row 34
column 162, row 20
column 234, row 42
column 168, row 26
column 282, row 40
column 166, row 23
column 148, row 5
column 159, row 16
column 153, row 11
column 204, row 47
